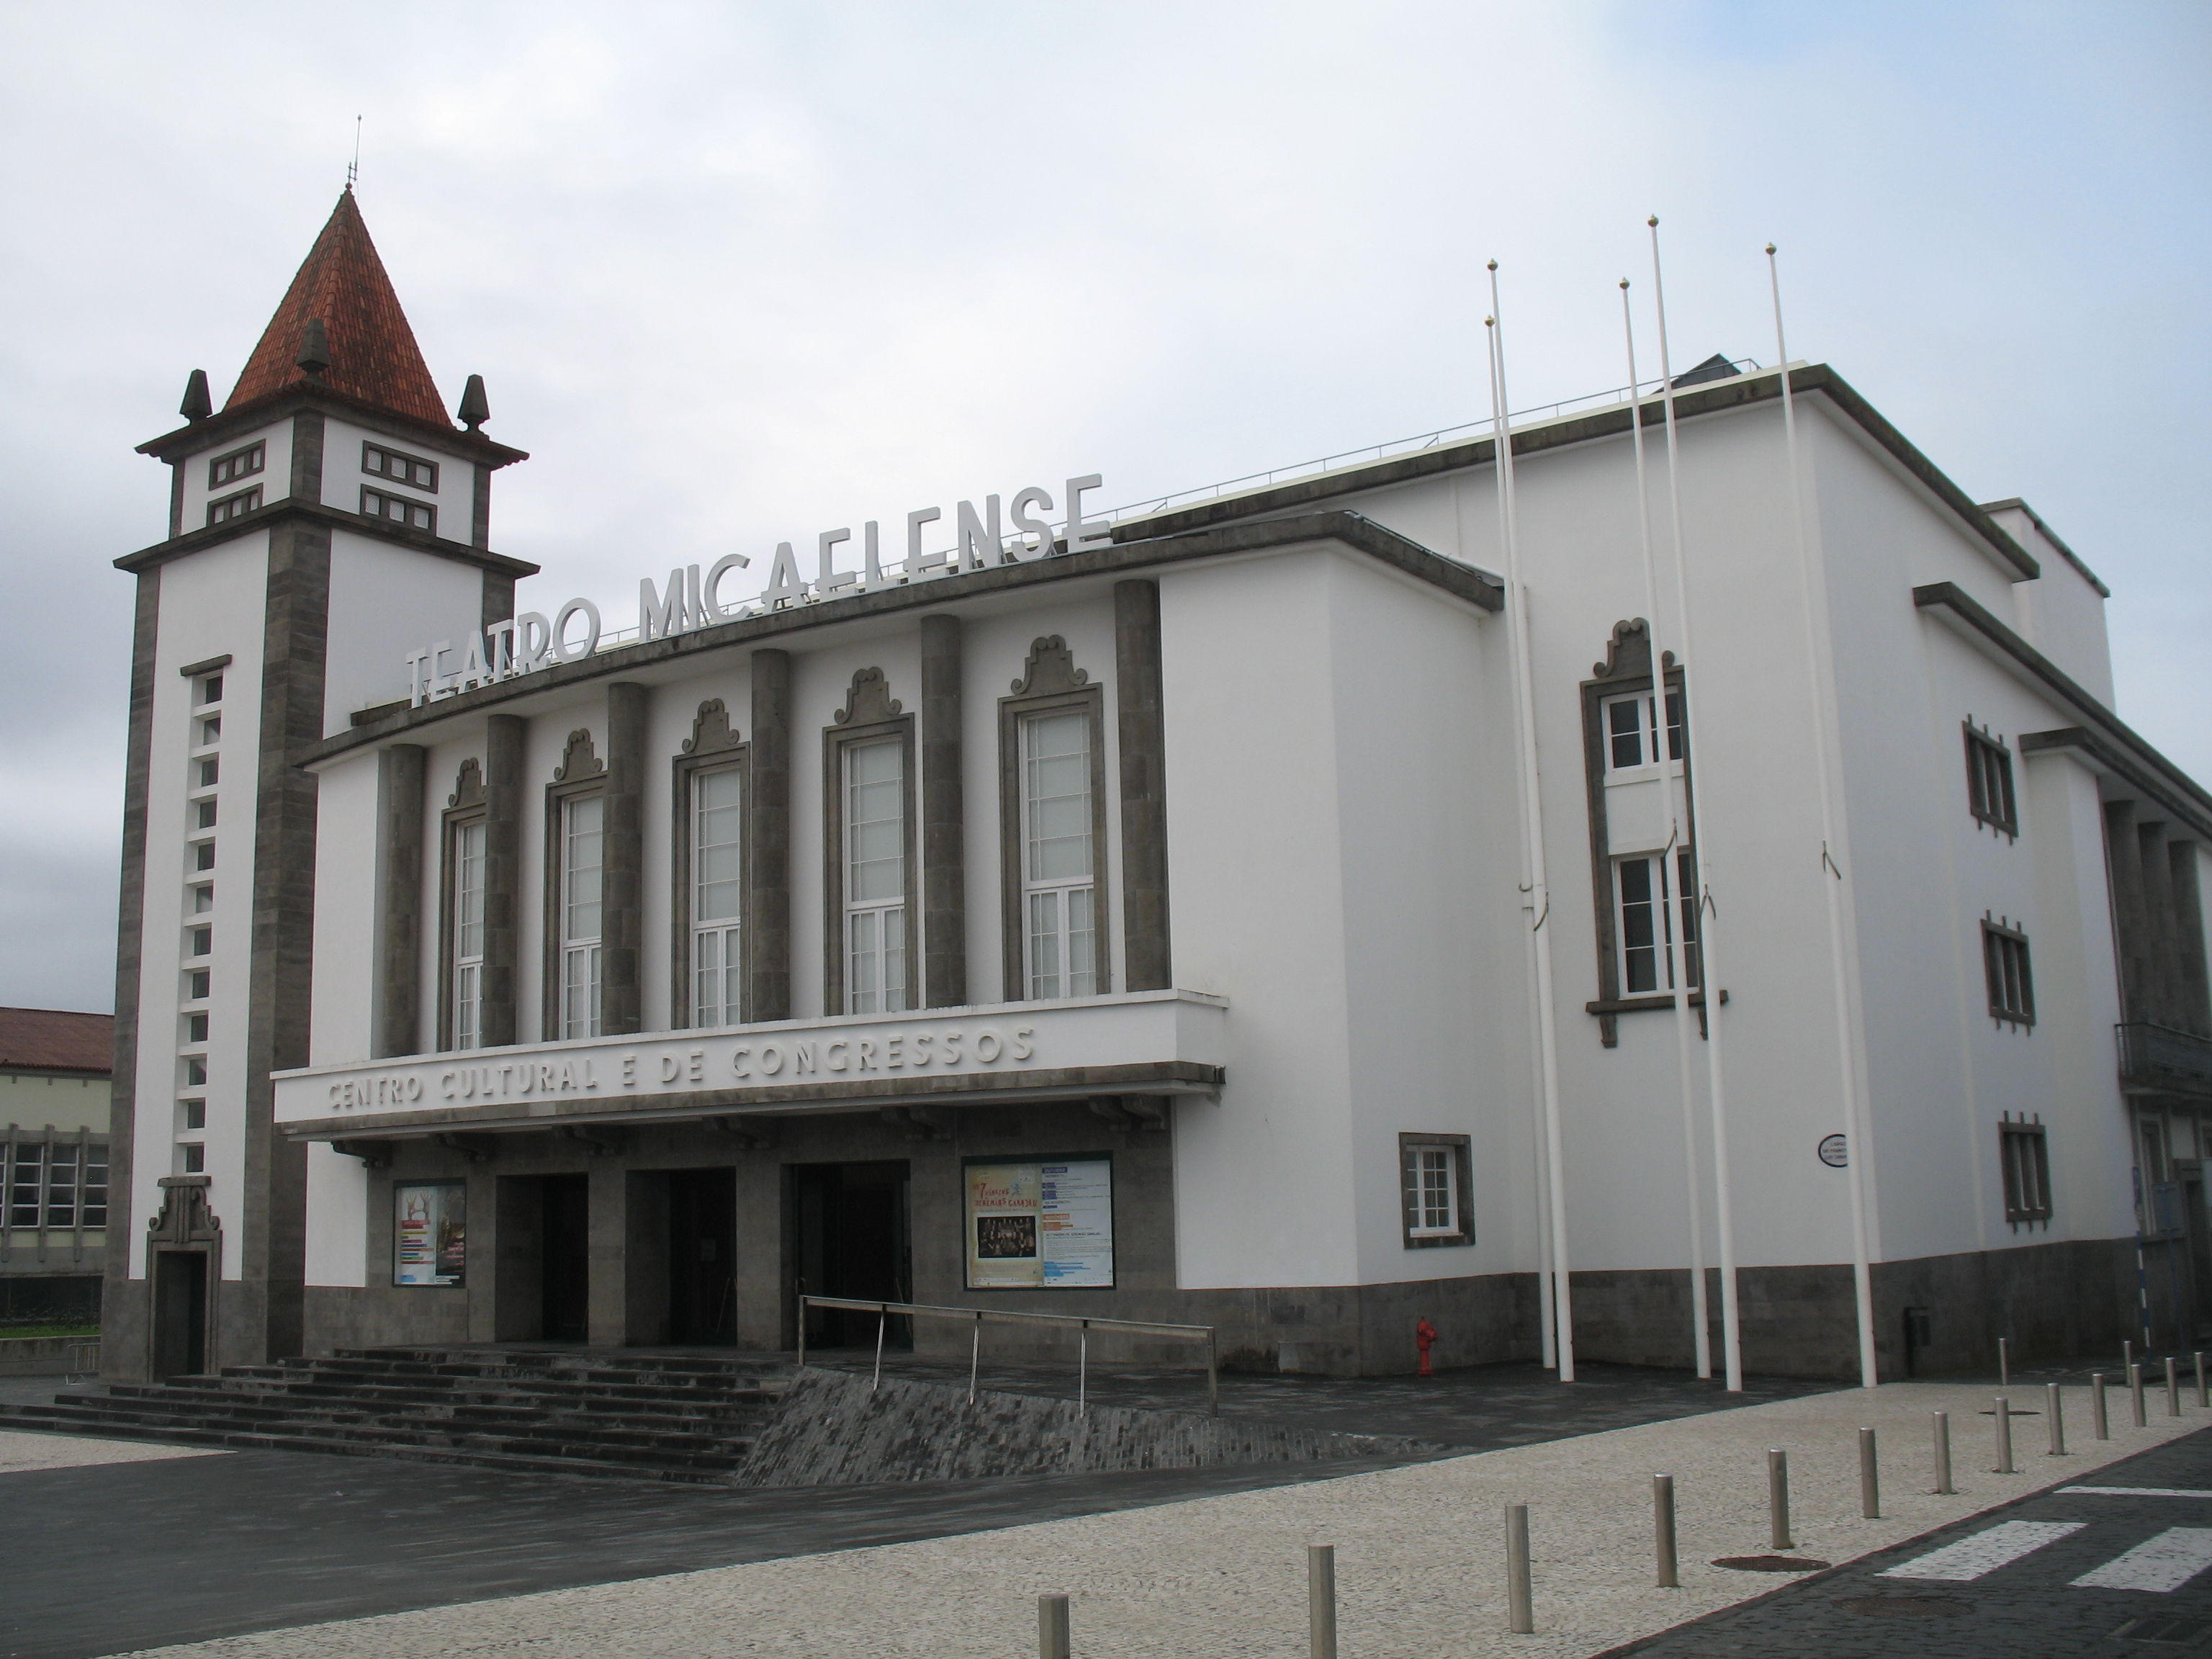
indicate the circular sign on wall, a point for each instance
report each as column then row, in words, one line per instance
column 1835, row 1152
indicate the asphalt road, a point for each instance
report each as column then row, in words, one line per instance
column 2116, row 1566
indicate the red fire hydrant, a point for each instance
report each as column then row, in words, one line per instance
column 1424, row 1336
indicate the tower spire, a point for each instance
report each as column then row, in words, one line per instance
column 370, row 351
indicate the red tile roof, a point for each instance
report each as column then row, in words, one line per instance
column 374, row 357
column 51, row 1040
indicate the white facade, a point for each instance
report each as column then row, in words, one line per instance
column 1309, row 1058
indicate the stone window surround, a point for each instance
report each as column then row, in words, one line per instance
column 714, row 745
column 582, row 773
column 466, row 806
column 368, row 448
column 869, row 712
column 2011, row 1131
column 1626, row 668
column 250, row 457
column 1996, row 932
column 1463, row 1182
column 2001, row 816
column 1050, row 681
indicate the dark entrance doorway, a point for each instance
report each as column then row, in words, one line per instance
column 849, row 1237
column 703, row 1264
column 180, row 1298
column 565, row 1241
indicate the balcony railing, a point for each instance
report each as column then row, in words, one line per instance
column 2160, row 1057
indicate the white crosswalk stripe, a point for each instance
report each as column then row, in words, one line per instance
column 2136, row 1491
column 1985, row 1552
column 2162, row 1563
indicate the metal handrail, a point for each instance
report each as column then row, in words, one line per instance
column 979, row 1317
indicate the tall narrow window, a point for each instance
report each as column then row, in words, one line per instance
column 583, row 822
column 717, row 896
column 2011, row 983
column 1989, row 782
column 1059, row 895
column 468, row 934
column 95, row 1184
column 1651, row 898
column 1437, row 1190
column 2026, row 1156
column 61, row 1185
column 875, row 877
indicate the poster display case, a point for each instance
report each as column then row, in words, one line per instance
column 1040, row 1224
column 430, row 1233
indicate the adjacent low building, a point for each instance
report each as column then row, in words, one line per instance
column 1133, row 917
column 55, row 1069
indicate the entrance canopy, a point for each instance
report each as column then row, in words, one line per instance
column 1143, row 1043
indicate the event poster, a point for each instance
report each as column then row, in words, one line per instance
column 430, row 1232
column 1040, row 1225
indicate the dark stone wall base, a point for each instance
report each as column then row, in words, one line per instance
column 384, row 1316
column 2054, row 1300
column 124, row 1308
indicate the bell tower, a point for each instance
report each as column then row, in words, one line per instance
column 329, row 515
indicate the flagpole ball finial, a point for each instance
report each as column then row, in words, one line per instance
column 1624, row 283
column 1490, row 322
column 1769, row 250
column 1653, row 222
column 1494, row 265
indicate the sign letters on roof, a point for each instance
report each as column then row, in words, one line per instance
column 690, row 600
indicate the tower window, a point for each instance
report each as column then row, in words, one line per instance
column 211, row 691
column 231, row 506
column 2023, row 1149
column 2012, row 987
column 1989, row 782
column 410, row 469
column 239, row 464
column 380, row 504
column 210, row 770
column 204, row 816
column 194, row 1157
column 204, row 855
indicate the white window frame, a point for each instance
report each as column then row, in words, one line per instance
column 580, row 955
column 1433, row 1166
column 1675, row 905
column 1049, row 904
column 1646, row 727
column 2024, row 1153
column 874, row 931
column 471, row 839
column 717, row 943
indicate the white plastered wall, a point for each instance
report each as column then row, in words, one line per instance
column 342, row 478
column 386, row 603
column 211, row 604
column 274, row 477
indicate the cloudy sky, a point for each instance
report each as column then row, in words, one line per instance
column 735, row 273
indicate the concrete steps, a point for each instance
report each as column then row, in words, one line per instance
column 675, row 1417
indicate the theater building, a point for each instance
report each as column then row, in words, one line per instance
column 1021, row 906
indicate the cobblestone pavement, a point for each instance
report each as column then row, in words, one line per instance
column 1418, row 1555
column 329, row 1538
column 2063, row 1575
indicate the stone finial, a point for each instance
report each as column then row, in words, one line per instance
column 196, row 405
column 315, row 349
column 476, row 408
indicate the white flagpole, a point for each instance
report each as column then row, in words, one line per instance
column 1539, row 902
column 1670, row 907
column 1545, row 1306
column 1832, row 875
column 1701, row 828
